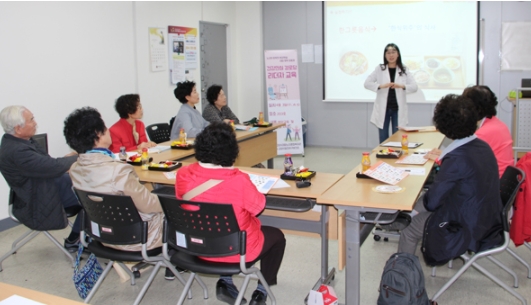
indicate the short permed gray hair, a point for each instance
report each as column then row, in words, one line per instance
column 11, row 117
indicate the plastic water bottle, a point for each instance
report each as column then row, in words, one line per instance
column 365, row 162
column 288, row 165
column 145, row 159
column 122, row 155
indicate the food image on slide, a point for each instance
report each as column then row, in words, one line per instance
column 437, row 41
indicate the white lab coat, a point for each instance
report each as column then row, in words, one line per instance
column 379, row 77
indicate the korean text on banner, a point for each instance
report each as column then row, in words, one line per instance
column 283, row 99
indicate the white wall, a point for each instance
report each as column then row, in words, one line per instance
column 58, row 56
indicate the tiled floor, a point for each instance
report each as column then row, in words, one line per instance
column 41, row 266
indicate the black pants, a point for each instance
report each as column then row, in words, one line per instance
column 272, row 253
column 68, row 198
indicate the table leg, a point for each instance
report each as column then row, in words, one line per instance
column 352, row 273
column 271, row 163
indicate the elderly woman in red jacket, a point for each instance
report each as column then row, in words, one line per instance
column 216, row 150
column 129, row 131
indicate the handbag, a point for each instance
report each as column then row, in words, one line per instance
column 86, row 277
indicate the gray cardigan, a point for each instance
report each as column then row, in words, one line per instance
column 190, row 119
column 212, row 114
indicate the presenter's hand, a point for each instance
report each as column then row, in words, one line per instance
column 226, row 121
column 398, row 86
column 383, row 86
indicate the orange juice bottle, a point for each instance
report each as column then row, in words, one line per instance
column 365, row 162
column 261, row 118
column 405, row 144
column 182, row 136
column 232, row 125
column 145, row 159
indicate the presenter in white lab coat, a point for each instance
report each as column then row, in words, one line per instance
column 391, row 81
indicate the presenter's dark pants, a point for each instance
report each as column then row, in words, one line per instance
column 391, row 115
column 68, row 198
column 272, row 253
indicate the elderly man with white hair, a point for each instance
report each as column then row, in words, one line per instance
column 41, row 183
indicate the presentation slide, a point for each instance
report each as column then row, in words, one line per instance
column 437, row 42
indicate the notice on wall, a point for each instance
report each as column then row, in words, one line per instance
column 183, row 50
column 157, row 49
column 283, row 99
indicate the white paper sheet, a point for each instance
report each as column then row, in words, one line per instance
column 18, row 300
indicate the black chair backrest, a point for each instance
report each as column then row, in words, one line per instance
column 510, row 183
column 171, row 123
column 158, row 133
column 111, row 219
column 201, row 228
column 42, row 140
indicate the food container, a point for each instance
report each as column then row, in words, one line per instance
column 164, row 166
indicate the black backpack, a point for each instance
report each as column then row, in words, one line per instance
column 403, row 281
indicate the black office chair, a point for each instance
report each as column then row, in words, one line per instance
column 197, row 229
column 42, row 141
column 510, row 183
column 158, row 133
column 114, row 219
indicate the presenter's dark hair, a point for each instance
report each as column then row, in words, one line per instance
column 455, row 116
column 183, row 90
column 127, row 104
column 213, row 93
column 398, row 60
column 484, row 99
column 83, row 128
column 217, row 144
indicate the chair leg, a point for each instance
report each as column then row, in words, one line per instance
column 148, row 282
column 243, row 288
column 50, row 237
column 35, row 233
column 129, row 272
column 98, row 283
column 18, row 244
column 527, row 245
column 511, row 272
column 434, row 269
column 468, row 263
column 267, row 288
column 522, row 261
column 502, row 284
column 186, row 289
column 180, row 278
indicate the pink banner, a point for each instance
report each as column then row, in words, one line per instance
column 283, row 99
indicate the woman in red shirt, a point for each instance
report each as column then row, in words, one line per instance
column 216, row 150
column 129, row 131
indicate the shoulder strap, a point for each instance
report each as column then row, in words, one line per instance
column 203, row 187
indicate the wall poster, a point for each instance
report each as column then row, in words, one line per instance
column 183, row 50
column 157, row 49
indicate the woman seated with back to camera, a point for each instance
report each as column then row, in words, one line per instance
column 96, row 170
column 217, row 109
column 188, row 117
column 129, row 131
column 216, row 150
column 490, row 128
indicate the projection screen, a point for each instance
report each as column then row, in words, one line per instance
column 437, row 40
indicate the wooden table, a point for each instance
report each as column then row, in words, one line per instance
column 255, row 147
column 356, row 196
column 7, row 290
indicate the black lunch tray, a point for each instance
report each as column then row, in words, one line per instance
column 139, row 163
column 286, row 177
column 166, row 169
